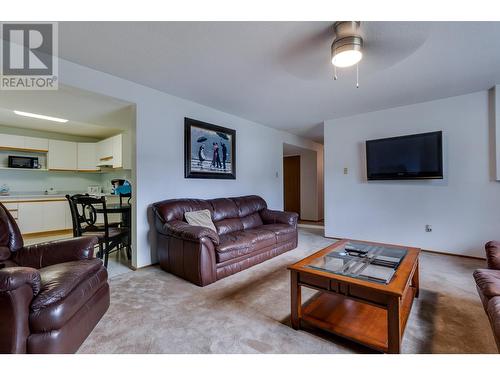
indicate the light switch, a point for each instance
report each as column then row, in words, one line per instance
column 345, row 170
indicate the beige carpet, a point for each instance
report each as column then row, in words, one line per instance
column 154, row 312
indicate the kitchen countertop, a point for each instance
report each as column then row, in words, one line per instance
column 17, row 195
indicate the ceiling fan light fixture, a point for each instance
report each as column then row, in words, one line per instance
column 347, row 58
column 348, row 44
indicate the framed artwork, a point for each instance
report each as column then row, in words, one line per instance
column 209, row 150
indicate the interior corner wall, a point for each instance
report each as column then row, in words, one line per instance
column 308, row 186
column 462, row 208
column 158, row 166
column 320, row 183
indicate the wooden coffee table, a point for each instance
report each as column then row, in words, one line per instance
column 370, row 313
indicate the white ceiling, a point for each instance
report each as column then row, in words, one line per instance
column 279, row 73
column 89, row 114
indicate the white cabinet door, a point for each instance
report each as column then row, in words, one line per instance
column 117, row 151
column 45, row 216
column 11, row 141
column 87, row 157
column 62, row 155
column 105, row 149
column 67, row 218
column 38, row 144
column 54, row 215
column 30, row 217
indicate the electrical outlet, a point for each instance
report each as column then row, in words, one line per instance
column 345, row 170
column 428, row 228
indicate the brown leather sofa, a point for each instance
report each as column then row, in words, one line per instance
column 51, row 294
column 488, row 286
column 248, row 233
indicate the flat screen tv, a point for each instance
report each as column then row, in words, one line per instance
column 417, row 156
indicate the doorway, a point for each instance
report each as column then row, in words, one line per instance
column 291, row 183
column 303, row 183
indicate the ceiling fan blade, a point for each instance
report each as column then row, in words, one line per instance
column 309, row 47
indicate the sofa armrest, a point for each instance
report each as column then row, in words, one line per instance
column 188, row 232
column 493, row 254
column 279, row 217
column 18, row 286
column 55, row 252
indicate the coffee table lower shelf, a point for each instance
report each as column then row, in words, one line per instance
column 358, row 321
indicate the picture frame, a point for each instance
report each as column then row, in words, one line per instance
column 209, row 150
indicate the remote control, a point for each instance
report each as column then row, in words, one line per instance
column 352, row 249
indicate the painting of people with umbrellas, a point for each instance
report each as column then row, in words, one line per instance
column 210, row 150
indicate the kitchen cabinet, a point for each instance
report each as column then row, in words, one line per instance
column 54, row 215
column 87, row 157
column 105, row 151
column 43, row 216
column 15, row 142
column 36, row 144
column 62, row 155
column 30, row 217
column 115, row 152
column 11, row 141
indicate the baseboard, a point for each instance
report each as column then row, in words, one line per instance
column 47, row 233
column 429, row 251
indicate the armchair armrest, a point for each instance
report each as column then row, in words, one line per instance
column 188, row 232
column 493, row 254
column 12, row 278
column 279, row 217
column 54, row 252
column 18, row 286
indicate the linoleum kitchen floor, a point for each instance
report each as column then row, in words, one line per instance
column 154, row 312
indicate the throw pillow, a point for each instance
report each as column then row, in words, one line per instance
column 201, row 218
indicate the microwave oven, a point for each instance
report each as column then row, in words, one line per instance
column 23, row 162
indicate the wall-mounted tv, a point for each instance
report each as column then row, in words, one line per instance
column 416, row 156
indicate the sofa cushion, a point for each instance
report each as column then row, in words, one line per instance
column 249, row 204
column 283, row 231
column 226, row 226
column 55, row 315
column 174, row 209
column 223, row 208
column 236, row 244
column 59, row 280
column 251, row 221
column 488, row 282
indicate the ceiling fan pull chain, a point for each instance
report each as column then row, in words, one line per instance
column 357, row 76
column 334, row 73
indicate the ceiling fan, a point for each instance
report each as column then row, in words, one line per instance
column 372, row 46
column 347, row 47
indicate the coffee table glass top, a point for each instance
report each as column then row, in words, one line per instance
column 375, row 263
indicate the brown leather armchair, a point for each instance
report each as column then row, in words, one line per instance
column 488, row 287
column 51, row 295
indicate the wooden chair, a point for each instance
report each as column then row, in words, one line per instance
column 84, row 210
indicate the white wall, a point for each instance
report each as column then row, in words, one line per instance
column 463, row 208
column 159, row 169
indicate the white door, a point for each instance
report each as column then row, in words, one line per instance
column 87, row 157
column 62, row 155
